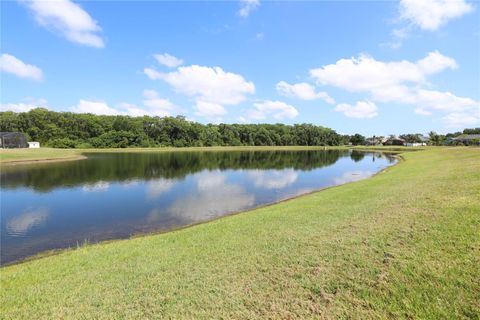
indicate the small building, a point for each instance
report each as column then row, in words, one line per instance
column 374, row 141
column 420, row 142
column 415, row 144
column 425, row 140
column 33, row 144
column 13, row 140
column 467, row 139
column 394, row 141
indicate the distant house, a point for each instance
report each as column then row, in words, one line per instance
column 415, row 144
column 33, row 144
column 423, row 142
column 467, row 139
column 374, row 141
column 13, row 140
column 424, row 139
column 394, row 141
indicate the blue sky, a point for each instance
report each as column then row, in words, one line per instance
column 373, row 67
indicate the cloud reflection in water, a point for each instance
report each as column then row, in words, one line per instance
column 20, row 225
column 273, row 179
column 155, row 188
column 214, row 197
column 100, row 186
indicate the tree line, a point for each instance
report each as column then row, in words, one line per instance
column 73, row 130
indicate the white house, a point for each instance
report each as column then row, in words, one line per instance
column 415, row 144
column 33, row 144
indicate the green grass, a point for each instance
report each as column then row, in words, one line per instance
column 20, row 155
column 403, row 244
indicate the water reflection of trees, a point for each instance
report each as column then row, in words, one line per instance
column 145, row 166
column 357, row 155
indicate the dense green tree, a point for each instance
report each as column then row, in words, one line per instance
column 412, row 137
column 67, row 130
column 357, row 139
column 436, row 139
column 471, row 131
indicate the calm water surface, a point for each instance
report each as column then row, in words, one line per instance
column 110, row 196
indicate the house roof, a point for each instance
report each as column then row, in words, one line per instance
column 467, row 137
column 6, row 134
column 396, row 138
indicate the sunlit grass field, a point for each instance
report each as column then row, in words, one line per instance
column 17, row 155
column 403, row 244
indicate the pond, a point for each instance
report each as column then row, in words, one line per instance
column 116, row 195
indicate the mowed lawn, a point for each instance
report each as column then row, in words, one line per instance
column 403, row 244
column 20, row 155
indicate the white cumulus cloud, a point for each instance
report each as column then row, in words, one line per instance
column 462, row 119
column 209, row 109
column 428, row 101
column 154, row 105
column 436, row 62
column 247, row 6
column 152, row 74
column 13, row 65
column 210, row 84
column 429, row 15
column 276, row 109
column 211, row 88
column 95, row 107
column 303, row 91
column 168, row 60
column 361, row 110
column 68, row 19
column 402, row 82
column 26, row 105
column 367, row 74
column 432, row 14
column 19, row 107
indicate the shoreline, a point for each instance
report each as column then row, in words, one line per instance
column 41, row 161
column 81, row 154
column 388, row 242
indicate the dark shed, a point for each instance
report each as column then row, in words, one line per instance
column 13, row 140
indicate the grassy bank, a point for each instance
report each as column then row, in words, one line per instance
column 403, row 244
column 41, row 154
column 18, row 156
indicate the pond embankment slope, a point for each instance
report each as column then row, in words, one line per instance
column 404, row 243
